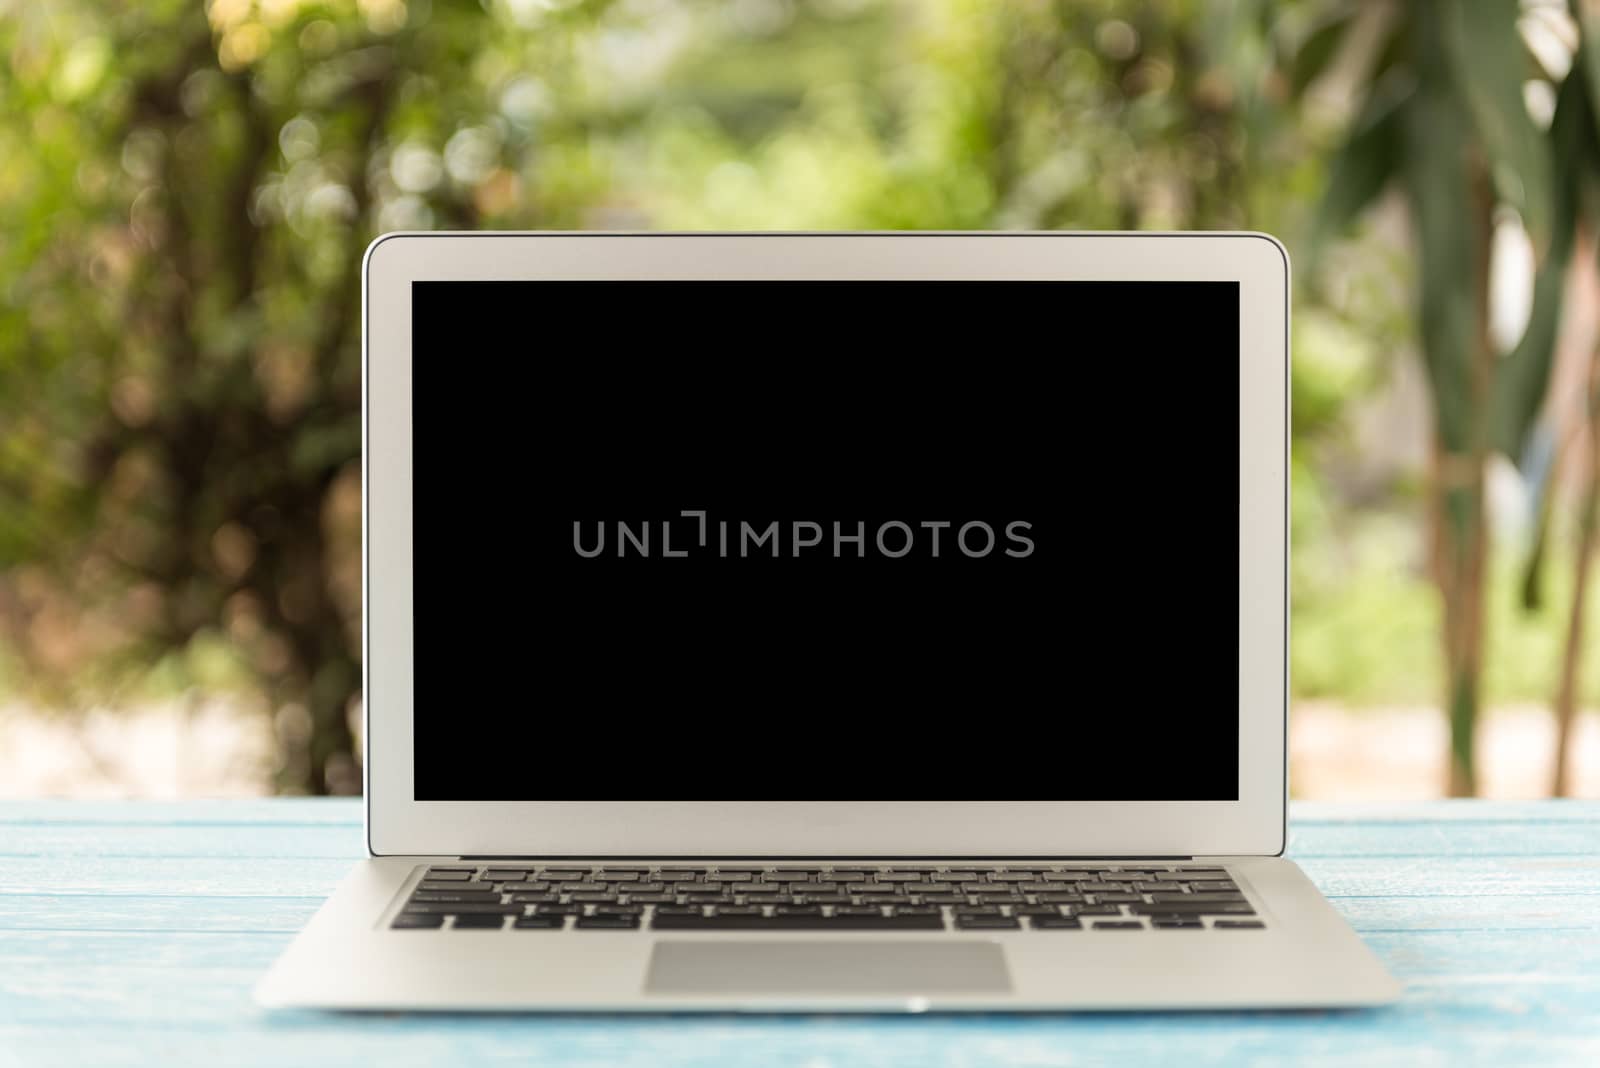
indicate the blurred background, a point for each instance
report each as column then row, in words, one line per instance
column 186, row 190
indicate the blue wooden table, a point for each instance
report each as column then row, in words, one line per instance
column 132, row 933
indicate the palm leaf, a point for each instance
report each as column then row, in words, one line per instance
column 1484, row 47
column 1522, row 377
column 1364, row 164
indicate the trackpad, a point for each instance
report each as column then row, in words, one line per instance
column 909, row 968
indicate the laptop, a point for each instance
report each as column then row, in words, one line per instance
column 772, row 517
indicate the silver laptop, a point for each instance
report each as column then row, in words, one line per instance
column 875, row 516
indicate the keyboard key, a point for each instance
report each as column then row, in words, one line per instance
column 909, row 910
column 1237, row 924
column 468, row 895
column 826, row 899
column 1118, row 925
column 1061, row 899
column 614, row 876
column 1013, row 877
column 1096, row 910
column 797, row 910
column 944, row 899
column 540, row 922
column 1202, row 898
column 899, row 877
column 618, row 910
column 454, row 887
column 535, row 899
column 1035, row 910
column 1055, row 923
column 870, row 888
column 1193, row 908
column 649, row 899
column 470, row 908
column 857, row 910
column 680, row 910
column 409, row 921
column 564, row 876
column 616, row 923
column 1212, row 886
column 968, row 923
column 977, row 910
column 796, row 923
column 1176, row 925
column 736, row 910
column 724, row 876
column 450, row 874
column 506, row 875
column 478, row 921
column 558, row 910
column 953, row 877
column 668, row 875
column 1121, row 898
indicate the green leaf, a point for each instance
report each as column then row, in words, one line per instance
column 1364, row 164
column 1523, row 375
column 1486, row 57
column 1437, row 143
column 1586, row 62
column 1311, row 59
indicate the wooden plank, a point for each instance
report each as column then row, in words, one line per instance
column 118, row 841
column 117, row 972
column 1454, row 839
column 177, row 999
column 1340, row 877
column 348, row 811
column 1454, row 810
column 107, row 840
column 922, row 1042
column 225, row 812
column 180, row 877
column 131, row 912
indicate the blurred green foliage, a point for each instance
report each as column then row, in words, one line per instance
column 186, row 190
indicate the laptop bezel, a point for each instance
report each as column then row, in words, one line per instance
column 1255, row 824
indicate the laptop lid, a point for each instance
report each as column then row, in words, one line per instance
column 881, row 516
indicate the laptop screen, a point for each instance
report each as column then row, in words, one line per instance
column 785, row 540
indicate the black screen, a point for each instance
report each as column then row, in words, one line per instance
column 783, row 540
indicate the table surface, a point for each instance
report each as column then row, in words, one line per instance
column 131, row 933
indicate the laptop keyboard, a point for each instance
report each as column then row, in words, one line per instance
column 687, row 897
